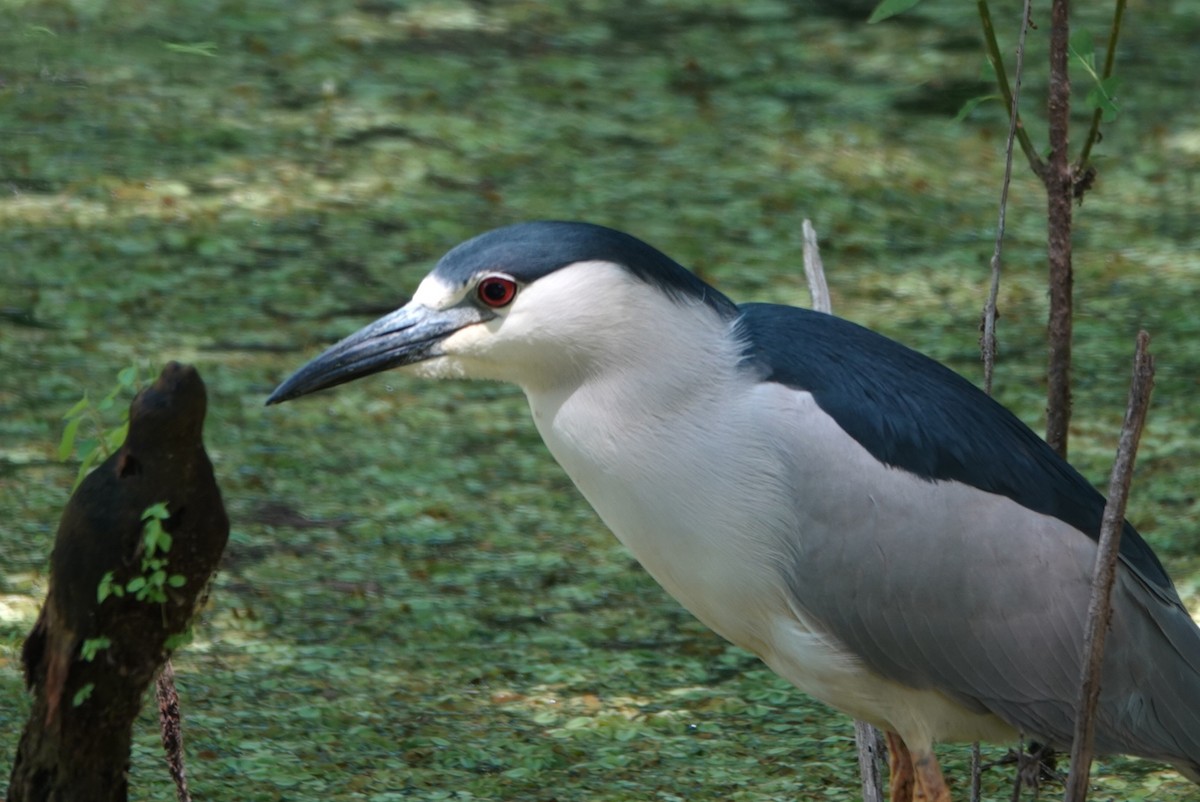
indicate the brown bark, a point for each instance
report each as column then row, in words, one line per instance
column 75, row 745
column 1060, row 194
column 1100, row 604
column 171, row 723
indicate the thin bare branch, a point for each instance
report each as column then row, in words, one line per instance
column 870, row 761
column 1060, row 186
column 976, row 772
column 1019, row 777
column 1100, row 605
column 997, row 60
column 172, row 729
column 866, row 737
column 814, row 271
column 988, row 341
column 1110, row 55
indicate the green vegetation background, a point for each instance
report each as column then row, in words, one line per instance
column 416, row 604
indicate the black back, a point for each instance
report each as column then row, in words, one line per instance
column 913, row 413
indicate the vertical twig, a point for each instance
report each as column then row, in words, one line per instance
column 1019, row 778
column 870, row 760
column 1059, row 180
column 814, row 270
column 172, row 729
column 866, row 737
column 1110, row 55
column 988, row 342
column 997, row 61
column 1100, row 604
column 976, row 773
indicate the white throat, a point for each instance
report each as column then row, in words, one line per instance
column 664, row 397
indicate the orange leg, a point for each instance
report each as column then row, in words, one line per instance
column 930, row 783
column 900, row 766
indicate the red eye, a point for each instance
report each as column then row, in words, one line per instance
column 497, row 291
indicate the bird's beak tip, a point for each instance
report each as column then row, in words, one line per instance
column 286, row 392
column 410, row 334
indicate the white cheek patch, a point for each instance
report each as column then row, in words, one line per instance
column 433, row 293
column 467, row 340
column 437, row 368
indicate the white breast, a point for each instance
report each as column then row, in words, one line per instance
column 693, row 492
column 718, row 484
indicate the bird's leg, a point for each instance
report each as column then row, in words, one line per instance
column 900, row 767
column 930, row 783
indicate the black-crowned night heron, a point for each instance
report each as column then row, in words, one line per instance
column 879, row 531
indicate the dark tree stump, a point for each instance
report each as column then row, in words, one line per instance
column 76, row 743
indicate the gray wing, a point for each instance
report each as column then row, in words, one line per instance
column 915, row 414
column 947, row 545
column 936, row 584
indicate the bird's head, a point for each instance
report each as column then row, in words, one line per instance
column 533, row 304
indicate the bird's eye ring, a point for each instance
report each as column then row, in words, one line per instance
column 497, row 291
